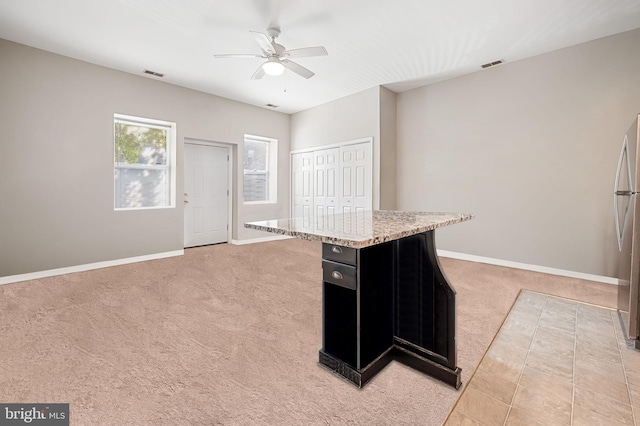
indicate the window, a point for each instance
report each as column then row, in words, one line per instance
column 260, row 169
column 144, row 162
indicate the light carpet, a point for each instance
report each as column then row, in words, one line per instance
column 229, row 335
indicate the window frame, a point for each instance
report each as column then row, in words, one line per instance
column 272, row 169
column 169, row 167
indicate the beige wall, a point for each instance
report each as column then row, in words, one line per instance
column 56, row 164
column 370, row 113
column 531, row 148
column 388, row 147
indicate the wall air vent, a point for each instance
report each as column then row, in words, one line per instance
column 271, row 106
column 153, row 73
column 490, row 64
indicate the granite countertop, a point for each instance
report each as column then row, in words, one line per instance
column 361, row 229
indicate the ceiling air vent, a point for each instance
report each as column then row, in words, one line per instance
column 490, row 64
column 153, row 73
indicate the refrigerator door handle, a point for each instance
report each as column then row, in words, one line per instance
column 617, row 192
column 615, row 214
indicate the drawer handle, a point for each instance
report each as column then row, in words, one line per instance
column 337, row 275
column 336, row 249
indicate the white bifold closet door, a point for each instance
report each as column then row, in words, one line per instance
column 331, row 180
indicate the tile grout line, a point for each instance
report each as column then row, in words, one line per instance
column 573, row 373
column 624, row 370
column 524, row 364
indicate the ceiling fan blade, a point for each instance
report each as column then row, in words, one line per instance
column 258, row 74
column 238, row 55
column 305, row 52
column 264, row 42
column 298, row 69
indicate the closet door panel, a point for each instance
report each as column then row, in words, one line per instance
column 326, row 193
column 356, row 177
column 302, row 187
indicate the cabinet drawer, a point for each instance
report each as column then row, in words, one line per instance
column 339, row 253
column 339, row 274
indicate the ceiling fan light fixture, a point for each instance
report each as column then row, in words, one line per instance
column 277, row 56
column 273, row 67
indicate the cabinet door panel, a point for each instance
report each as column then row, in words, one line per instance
column 340, row 323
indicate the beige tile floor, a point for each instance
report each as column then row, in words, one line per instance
column 554, row 362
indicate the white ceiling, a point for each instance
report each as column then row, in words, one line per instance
column 401, row 44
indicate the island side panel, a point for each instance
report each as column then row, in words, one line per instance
column 424, row 301
column 444, row 308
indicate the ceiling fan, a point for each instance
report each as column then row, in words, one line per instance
column 277, row 57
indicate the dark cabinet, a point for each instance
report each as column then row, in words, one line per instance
column 340, row 323
column 357, row 309
column 387, row 301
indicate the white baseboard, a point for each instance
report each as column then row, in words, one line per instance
column 260, row 240
column 443, row 253
column 87, row 267
column 528, row 267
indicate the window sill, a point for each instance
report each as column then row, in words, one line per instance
column 126, row 209
column 258, row 203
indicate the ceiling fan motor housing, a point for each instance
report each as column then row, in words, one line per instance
column 273, row 32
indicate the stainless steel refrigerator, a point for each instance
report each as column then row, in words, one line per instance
column 627, row 217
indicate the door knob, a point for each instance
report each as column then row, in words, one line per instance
column 186, row 202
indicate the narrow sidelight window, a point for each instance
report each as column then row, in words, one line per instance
column 260, row 169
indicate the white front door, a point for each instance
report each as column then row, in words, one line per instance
column 206, row 194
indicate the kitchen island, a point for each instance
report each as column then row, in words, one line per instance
column 384, row 295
